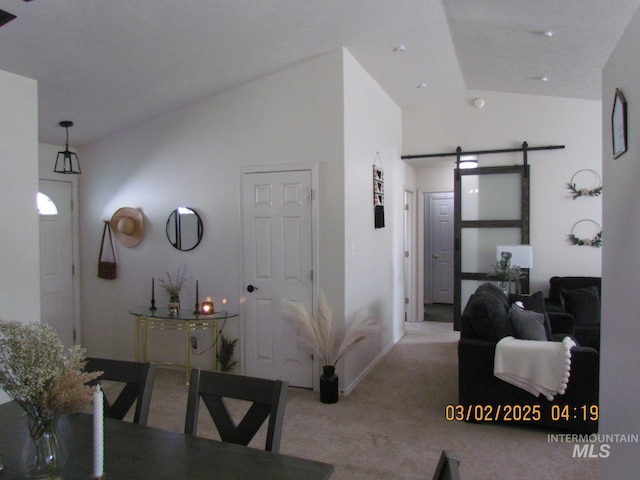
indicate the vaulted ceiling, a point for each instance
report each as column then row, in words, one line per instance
column 107, row 65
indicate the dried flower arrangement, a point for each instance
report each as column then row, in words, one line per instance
column 173, row 287
column 324, row 335
column 39, row 375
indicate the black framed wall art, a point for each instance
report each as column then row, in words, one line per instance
column 619, row 124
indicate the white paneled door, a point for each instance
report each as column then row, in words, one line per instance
column 440, row 251
column 409, row 299
column 278, row 264
column 56, row 258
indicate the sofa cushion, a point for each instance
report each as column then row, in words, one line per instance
column 487, row 311
column 536, row 303
column 583, row 304
column 558, row 283
column 527, row 324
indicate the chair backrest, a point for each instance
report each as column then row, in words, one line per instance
column 447, row 468
column 138, row 378
column 268, row 397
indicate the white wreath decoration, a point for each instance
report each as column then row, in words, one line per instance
column 584, row 192
column 589, row 242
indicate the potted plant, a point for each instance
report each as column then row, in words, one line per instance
column 506, row 273
column 329, row 338
column 225, row 353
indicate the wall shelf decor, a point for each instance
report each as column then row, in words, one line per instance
column 595, row 241
column 577, row 191
column 378, row 193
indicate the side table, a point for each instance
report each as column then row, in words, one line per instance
column 185, row 322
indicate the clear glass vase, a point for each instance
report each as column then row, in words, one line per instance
column 173, row 307
column 43, row 454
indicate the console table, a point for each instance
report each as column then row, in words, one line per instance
column 185, row 322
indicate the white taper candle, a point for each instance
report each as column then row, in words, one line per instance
column 98, row 434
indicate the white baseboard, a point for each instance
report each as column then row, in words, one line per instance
column 374, row 362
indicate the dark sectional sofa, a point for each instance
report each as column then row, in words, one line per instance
column 486, row 320
column 578, row 299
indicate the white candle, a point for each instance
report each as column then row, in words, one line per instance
column 98, row 434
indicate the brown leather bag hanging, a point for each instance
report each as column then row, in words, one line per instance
column 107, row 270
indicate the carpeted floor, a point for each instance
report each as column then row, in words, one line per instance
column 392, row 426
column 438, row 312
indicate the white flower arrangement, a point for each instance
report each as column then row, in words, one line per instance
column 174, row 287
column 39, row 375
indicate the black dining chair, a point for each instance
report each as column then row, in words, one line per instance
column 138, row 378
column 447, row 468
column 268, row 397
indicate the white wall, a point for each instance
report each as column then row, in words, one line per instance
column 619, row 374
column 505, row 122
column 372, row 256
column 19, row 242
column 194, row 156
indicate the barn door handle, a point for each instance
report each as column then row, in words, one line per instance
column 251, row 288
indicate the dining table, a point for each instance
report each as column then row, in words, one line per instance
column 138, row 452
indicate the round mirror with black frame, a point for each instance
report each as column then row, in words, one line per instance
column 184, row 229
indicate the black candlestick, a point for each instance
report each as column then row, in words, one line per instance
column 197, row 310
column 153, row 295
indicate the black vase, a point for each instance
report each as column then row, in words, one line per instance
column 328, row 384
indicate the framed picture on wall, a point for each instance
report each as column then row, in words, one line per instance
column 619, row 124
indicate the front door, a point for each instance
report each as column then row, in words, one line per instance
column 56, row 258
column 278, row 264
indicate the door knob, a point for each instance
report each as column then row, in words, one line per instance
column 435, row 256
column 251, row 288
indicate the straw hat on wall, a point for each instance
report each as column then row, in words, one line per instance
column 126, row 223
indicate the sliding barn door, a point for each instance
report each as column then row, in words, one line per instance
column 492, row 208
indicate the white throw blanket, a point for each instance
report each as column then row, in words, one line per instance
column 535, row 366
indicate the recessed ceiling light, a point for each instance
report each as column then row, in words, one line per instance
column 543, row 79
column 399, row 49
column 422, row 85
column 547, row 34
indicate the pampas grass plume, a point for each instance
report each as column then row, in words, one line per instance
column 324, row 335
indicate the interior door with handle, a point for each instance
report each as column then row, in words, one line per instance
column 439, row 239
column 278, row 263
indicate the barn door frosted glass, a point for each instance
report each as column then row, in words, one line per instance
column 493, row 210
column 491, row 197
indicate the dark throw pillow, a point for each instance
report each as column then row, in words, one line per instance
column 488, row 313
column 534, row 302
column 527, row 324
column 583, row 304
